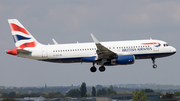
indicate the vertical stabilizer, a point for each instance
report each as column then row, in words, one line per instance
column 21, row 36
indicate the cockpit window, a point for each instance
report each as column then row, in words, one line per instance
column 165, row 45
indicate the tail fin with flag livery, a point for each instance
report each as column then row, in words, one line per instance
column 22, row 38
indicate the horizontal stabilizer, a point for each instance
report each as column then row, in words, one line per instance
column 23, row 51
column 16, row 51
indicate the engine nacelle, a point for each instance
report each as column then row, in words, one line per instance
column 123, row 60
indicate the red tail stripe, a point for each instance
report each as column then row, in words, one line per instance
column 31, row 44
column 15, row 27
column 152, row 43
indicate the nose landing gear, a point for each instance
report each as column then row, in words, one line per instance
column 154, row 65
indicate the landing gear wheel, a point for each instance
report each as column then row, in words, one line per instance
column 93, row 69
column 154, row 66
column 102, row 69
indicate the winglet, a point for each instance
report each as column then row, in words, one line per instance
column 55, row 42
column 94, row 39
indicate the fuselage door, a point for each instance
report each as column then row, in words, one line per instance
column 44, row 52
column 156, row 48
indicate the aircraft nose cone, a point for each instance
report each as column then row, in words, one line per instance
column 173, row 50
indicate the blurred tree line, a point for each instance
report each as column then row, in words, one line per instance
column 49, row 94
column 97, row 91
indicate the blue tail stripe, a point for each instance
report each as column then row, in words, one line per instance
column 19, row 37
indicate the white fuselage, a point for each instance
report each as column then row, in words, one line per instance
column 68, row 53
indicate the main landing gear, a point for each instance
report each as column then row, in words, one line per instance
column 154, row 65
column 101, row 69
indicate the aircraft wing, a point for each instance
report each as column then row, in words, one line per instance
column 102, row 51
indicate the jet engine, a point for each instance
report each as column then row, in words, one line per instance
column 123, row 60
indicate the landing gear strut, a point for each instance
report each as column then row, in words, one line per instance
column 154, row 65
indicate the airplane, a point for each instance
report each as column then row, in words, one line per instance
column 101, row 53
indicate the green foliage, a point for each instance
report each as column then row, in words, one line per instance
column 89, row 94
column 139, row 95
column 12, row 94
column 73, row 93
column 111, row 91
column 123, row 92
column 2, row 91
column 167, row 95
column 8, row 99
column 101, row 92
column 93, row 91
column 9, row 95
column 83, row 90
column 176, row 93
column 158, row 91
column 55, row 95
column 38, row 94
column 51, row 94
column 149, row 91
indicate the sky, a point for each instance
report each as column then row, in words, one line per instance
column 69, row 21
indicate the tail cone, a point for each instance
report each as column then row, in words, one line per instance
column 12, row 51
